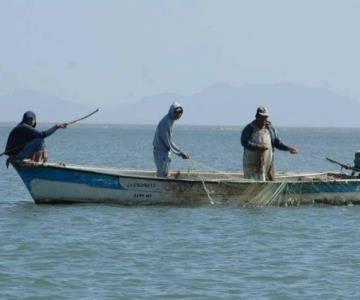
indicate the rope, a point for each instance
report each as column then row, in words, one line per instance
column 202, row 179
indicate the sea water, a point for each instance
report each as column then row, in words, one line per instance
column 197, row 252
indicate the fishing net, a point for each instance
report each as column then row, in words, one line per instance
column 287, row 190
column 269, row 194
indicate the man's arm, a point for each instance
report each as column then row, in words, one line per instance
column 172, row 146
column 44, row 134
column 278, row 144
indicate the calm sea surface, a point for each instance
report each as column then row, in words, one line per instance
column 206, row 252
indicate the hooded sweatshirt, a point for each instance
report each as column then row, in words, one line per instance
column 24, row 133
column 163, row 135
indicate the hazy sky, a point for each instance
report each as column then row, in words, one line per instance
column 119, row 51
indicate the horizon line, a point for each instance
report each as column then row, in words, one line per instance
column 87, row 124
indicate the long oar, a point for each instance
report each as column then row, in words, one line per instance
column 68, row 123
column 83, row 118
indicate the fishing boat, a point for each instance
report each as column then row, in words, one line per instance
column 62, row 183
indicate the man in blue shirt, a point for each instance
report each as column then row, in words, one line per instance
column 26, row 142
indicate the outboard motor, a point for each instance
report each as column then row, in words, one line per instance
column 357, row 160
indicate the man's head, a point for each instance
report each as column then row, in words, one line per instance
column 178, row 113
column 262, row 115
column 29, row 118
column 175, row 111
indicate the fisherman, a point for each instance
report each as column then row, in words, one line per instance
column 259, row 139
column 26, row 142
column 163, row 142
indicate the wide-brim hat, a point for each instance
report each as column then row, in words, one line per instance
column 262, row 111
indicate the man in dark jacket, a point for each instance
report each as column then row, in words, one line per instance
column 259, row 139
column 26, row 142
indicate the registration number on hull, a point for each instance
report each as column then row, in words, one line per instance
column 142, row 196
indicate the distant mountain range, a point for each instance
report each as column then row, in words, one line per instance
column 48, row 108
column 220, row 104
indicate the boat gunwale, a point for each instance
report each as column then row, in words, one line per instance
column 92, row 171
column 32, row 165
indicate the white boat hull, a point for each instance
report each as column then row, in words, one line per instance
column 54, row 183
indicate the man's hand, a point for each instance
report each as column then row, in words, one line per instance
column 293, row 150
column 62, row 125
column 184, row 156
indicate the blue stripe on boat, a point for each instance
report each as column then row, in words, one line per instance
column 69, row 176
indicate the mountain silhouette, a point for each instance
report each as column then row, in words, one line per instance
column 48, row 108
column 219, row 104
column 223, row 104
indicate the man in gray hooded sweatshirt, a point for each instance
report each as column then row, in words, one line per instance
column 163, row 142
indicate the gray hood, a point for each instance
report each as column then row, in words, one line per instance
column 172, row 109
